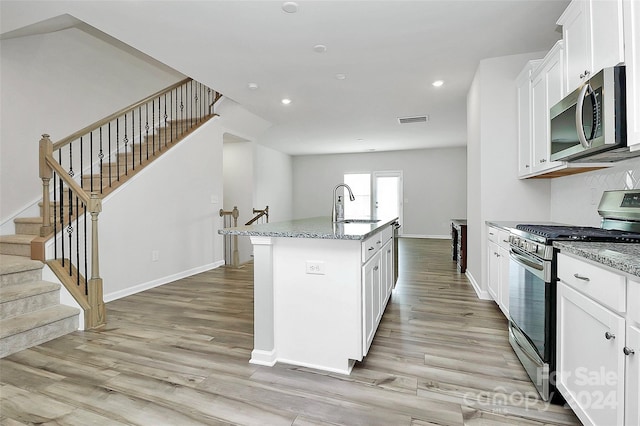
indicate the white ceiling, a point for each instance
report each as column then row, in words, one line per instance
column 390, row 51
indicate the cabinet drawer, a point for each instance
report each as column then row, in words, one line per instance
column 371, row 245
column 387, row 234
column 493, row 234
column 503, row 238
column 600, row 284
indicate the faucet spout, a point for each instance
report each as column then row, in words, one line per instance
column 338, row 213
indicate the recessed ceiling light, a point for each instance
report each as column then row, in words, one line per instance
column 290, row 6
column 252, row 86
column 341, row 76
column 437, row 83
column 286, row 101
column 319, row 48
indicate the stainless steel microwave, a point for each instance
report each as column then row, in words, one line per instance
column 590, row 124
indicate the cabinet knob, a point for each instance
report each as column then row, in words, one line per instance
column 628, row 351
column 526, row 166
column 371, row 248
column 609, row 336
column 375, row 268
column 585, row 74
column 580, row 277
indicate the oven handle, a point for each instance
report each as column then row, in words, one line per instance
column 525, row 349
column 524, row 260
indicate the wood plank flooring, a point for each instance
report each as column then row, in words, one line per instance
column 178, row 355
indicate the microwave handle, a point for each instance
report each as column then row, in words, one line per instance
column 579, row 125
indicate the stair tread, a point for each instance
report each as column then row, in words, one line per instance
column 19, row 291
column 17, row 238
column 10, row 264
column 25, row 322
column 28, row 220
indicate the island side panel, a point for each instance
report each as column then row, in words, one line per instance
column 318, row 317
column 263, row 320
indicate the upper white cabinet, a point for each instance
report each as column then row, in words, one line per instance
column 593, row 36
column 547, row 90
column 523, row 91
column 631, row 13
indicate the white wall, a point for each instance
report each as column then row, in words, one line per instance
column 434, row 184
column 495, row 192
column 58, row 83
column 273, row 174
column 238, row 188
column 574, row 199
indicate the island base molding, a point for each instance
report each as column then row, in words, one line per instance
column 266, row 358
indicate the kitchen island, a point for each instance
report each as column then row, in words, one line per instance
column 320, row 289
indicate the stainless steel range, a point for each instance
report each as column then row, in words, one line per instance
column 532, row 280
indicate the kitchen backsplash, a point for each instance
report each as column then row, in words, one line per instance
column 574, row 199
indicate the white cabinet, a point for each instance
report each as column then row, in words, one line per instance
column 377, row 282
column 498, row 267
column 597, row 331
column 371, row 300
column 523, row 93
column 547, row 90
column 592, row 31
column 631, row 13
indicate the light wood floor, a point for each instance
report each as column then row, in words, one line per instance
column 178, row 355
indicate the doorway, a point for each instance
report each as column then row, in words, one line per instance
column 378, row 194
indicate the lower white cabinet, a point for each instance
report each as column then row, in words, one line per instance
column 598, row 342
column 377, row 283
column 498, row 267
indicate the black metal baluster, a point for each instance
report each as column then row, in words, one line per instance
column 70, row 228
column 81, row 162
column 100, row 158
column 110, row 163
column 191, row 109
column 125, row 140
column 146, row 126
column 165, row 120
column 77, row 244
column 140, row 131
column 86, row 274
column 153, row 122
column 181, row 110
column 59, row 206
column 55, row 215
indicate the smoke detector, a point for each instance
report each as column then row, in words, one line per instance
column 416, row 119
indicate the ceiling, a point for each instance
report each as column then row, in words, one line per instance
column 388, row 53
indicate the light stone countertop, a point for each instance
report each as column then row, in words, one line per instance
column 315, row 227
column 622, row 256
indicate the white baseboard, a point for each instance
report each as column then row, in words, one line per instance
column 266, row 358
column 438, row 237
column 160, row 281
column 482, row 294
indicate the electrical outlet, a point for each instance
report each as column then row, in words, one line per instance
column 315, row 267
column 155, row 255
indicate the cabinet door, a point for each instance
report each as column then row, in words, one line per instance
column 590, row 370
column 577, row 43
column 632, row 379
column 493, row 275
column 540, row 122
column 632, row 57
column 523, row 93
column 504, row 281
column 370, row 300
column 607, row 47
column 387, row 279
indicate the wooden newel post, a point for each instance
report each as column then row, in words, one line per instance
column 235, row 260
column 46, row 173
column 97, row 314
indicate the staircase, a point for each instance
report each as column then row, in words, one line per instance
column 115, row 149
column 30, row 309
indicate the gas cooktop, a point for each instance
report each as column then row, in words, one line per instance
column 577, row 233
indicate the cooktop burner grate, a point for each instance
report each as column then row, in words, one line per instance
column 579, row 233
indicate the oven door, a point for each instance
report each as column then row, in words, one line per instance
column 532, row 315
column 529, row 299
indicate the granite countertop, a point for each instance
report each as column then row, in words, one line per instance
column 315, row 227
column 509, row 225
column 622, row 256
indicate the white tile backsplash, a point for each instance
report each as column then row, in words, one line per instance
column 574, row 199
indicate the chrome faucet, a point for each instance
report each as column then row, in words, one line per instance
column 338, row 212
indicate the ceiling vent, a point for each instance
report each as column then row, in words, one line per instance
column 417, row 119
